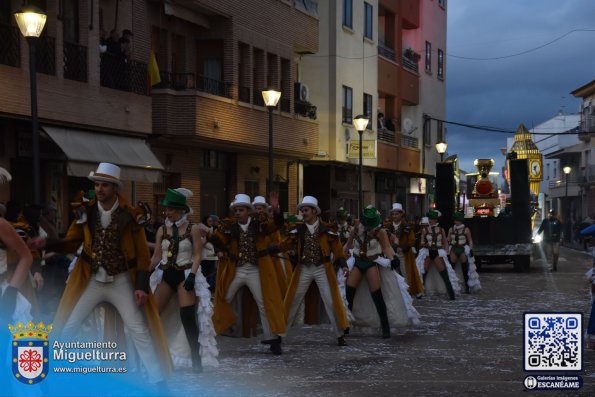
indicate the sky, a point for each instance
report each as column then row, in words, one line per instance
column 529, row 88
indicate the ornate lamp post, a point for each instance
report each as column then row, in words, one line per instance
column 441, row 149
column 31, row 21
column 271, row 98
column 567, row 170
column 360, row 123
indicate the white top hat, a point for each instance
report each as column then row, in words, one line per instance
column 424, row 221
column 309, row 201
column 397, row 207
column 106, row 172
column 241, row 199
column 259, row 200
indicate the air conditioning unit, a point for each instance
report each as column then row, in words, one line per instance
column 302, row 92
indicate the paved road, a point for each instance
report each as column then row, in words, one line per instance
column 467, row 347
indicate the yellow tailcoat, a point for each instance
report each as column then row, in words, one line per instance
column 227, row 240
column 406, row 242
column 329, row 244
column 135, row 249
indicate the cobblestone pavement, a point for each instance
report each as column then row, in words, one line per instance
column 467, row 347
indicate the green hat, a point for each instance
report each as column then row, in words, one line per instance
column 434, row 214
column 342, row 213
column 91, row 194
column 458, row 216
column 370, row 218
column 292, row 219
column 174, row 199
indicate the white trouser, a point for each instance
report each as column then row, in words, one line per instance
column 121, row 295
column 318, row 275
column 249, row 276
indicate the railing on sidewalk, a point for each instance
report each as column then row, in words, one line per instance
column 10, row 46
column 75, row 62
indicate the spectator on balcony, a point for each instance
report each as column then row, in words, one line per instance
column 390, row 124
column 113, row 42
column 381, row 121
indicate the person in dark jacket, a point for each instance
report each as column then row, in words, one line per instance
column 552, row 237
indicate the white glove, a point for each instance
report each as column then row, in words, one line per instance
column 382, row 261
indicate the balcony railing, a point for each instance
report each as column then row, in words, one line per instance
column 285, row 104
column 123, row 74
column 10, row 47
column 411, row 59
column 572, row 181
column 45, row 53
column 306, row 109
column 387, row 52
column 212, row 86
column 409, row 142
column 244, row 94
column 75, row 62
column 386, row 135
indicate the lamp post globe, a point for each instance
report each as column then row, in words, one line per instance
column 360, row 123
column 441, row 147
column 271, row 98
column 31, row 21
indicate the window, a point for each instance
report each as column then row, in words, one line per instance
column 347, row 104
column 442, row 3
column 428, row 57
column 427, row 131
column 368, row 109
column 368, row 21
column 440, row 64
column 348, row 13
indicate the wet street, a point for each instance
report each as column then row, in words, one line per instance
column 467, row 347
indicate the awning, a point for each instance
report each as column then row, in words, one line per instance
column 85, row 150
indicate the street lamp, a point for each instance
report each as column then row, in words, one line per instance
column 567, row 171
column 360, row 123
column 441, row 149
column 271, row 98
column 31, row 21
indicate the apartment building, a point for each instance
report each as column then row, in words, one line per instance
column 203, row 125
column 368, row 63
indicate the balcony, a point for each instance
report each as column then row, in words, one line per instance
column 45, row 53
column 306, row 109
column 387, row 52
column 192, row 81
column 557, row 188
column 411, row 60
column 10, row 47
column 75, row 62
column 587, row 128
column 123, row 74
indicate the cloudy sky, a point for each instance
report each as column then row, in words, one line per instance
column 529, row 88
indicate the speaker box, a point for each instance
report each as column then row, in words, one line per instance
column 445, row 193
column 520, row 199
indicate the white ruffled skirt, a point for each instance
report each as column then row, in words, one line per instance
column 399, row 304
column 433, row 283
column 473, row 282
column 176, row 337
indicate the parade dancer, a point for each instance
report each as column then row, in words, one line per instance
column 376, row 265
column 113, row 267
column 177, row 255
column 315, row 250
column 246, row 261
column 402, row 238
column 282, row 263
column 343, row 228
column 433, row 241
column 460, row 252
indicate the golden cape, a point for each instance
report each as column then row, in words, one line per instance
column 406, row 242
column 329, row 244
column 134, row 247
column 224, row 316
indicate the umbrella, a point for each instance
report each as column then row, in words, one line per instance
column 588, row 231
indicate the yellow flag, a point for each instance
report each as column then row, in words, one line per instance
column 154, row 70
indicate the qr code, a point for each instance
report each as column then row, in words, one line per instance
column 553, row 342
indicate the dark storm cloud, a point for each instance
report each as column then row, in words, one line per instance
column 529, row 88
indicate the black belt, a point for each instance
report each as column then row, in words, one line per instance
column 175, row 266
column 87, row 258
column 369, row 258
column 259, row 254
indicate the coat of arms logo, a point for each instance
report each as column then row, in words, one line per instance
column 30, row 351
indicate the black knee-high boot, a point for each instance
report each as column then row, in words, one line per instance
column 381, row 309
column 451, row 292
column 188, row 317
column 465, row 266
column 350, row 295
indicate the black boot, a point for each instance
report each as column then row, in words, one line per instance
column 350, row 295
column 555, row 263
column 276, row 346
column 466, row 275
column 381, row 309
column 451, row 292
column 188, row 318
column 341, row 341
